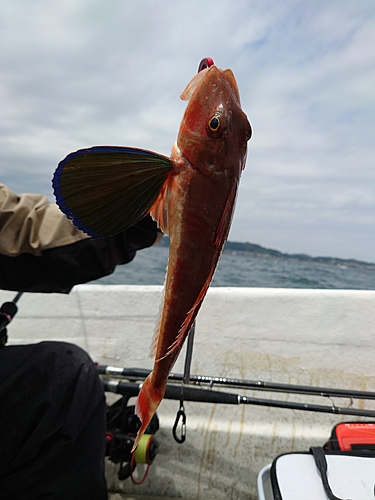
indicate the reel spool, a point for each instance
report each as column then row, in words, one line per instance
column 122, row 428
column 146, row 450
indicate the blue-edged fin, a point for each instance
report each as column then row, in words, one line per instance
column 104, row 189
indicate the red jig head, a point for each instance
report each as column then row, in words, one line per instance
column 205, row 63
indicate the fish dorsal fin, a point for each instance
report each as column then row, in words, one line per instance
column 106, row 189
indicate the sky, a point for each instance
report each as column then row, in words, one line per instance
column 80, row 73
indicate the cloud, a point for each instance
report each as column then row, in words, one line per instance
column 78, row 73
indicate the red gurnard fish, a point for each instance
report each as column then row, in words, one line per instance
column 191, row 195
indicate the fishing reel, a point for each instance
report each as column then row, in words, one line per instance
column 122, row 428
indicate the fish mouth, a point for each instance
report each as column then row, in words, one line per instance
column 195, row 82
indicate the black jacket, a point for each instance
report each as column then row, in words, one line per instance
column 41, row 251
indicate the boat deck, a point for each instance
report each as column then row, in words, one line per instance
column 322, row 338
column 125, row 496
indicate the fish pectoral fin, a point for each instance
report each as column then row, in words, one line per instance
column 105, row 190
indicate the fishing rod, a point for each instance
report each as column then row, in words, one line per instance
column 204, row 380
column 200, row 395
column 181, row 388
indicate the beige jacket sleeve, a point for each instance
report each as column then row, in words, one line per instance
column 30, row 223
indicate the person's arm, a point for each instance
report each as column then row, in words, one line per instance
column 41, row 250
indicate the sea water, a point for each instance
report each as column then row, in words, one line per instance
column 245, row 269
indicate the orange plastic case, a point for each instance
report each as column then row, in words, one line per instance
column 348, row 436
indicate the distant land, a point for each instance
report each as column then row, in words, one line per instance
column 259, row 251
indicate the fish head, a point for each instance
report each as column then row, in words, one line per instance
column 214, row 130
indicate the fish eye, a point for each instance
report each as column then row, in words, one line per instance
column 214, row 123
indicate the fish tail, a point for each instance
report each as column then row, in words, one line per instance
column 148, row 401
